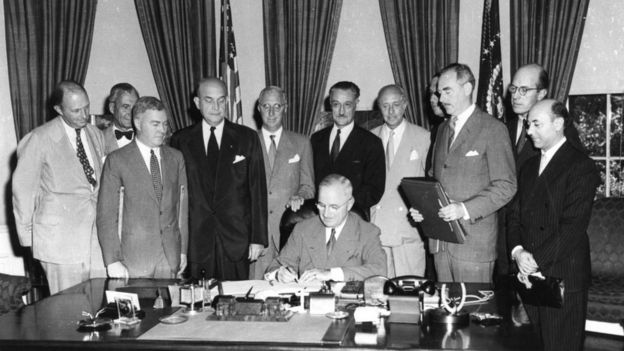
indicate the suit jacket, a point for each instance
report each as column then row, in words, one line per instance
column 527, row 150
column 479, row 171
column 148, row 226
column 551, row 213
column 292, row 174
column 235, row 209
column 110, row 139
column 357, row 251
column 390, row 214
column 361, row 159
column 53, row 203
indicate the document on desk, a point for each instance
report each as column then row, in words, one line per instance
column 262, row 289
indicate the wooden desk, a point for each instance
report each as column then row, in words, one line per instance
column 50, row 324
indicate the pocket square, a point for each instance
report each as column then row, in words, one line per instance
column 472, row 153
column 238, row 158
column 413, row 155
column 294, row 159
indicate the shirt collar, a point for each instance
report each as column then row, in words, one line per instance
column 398, row 131
column 338, row 228
column 344, row 131
column 145, row 150
column 267, row 135
column 548, row 154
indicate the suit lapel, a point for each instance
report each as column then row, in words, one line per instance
column 283, row 153
column 69, row 154
column 347, row 241
column 349, row 146
column 265, row 157
column 167, row 170
column 403, row 152
column 227, row 152
column 557, row 164
column 316, row 246
column 144, row 176
column 196, row 144
column 467, row 132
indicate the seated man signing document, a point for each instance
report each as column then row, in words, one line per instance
column 336, row 245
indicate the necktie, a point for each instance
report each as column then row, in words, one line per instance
column 84, row 161
column 522, row 137
column 332, row 242
column 272, row 151
column 119, row 134
column 335, row 149
column 390, row 150
column 451, row 133
column 156, row 179
column 212, row 153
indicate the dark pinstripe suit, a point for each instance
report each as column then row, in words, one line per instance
column 549, row 219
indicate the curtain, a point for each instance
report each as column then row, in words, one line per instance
column 299, row 41
column 422, row 38
column 180, row 40
column 47, row 41
column 548, row 32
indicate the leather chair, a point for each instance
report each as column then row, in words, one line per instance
column 606, row 240
column 12, row 288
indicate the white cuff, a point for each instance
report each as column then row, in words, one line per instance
column 515, row 249
column 337, row 274
column 466, row 215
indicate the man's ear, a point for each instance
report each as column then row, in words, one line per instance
column 350, row 204
column 468, row 88
column 58, row 110
column 196, row 101
column 111, row 107
column 541, row 94
column 559, row 123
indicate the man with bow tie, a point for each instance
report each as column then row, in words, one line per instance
column 122, row 98
column 288, row 168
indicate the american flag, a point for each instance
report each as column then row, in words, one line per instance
column 490, row 93
column 229, row 67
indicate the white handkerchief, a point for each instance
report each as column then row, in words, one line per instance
column 472, row 153
column 238, row 158
column 103, row 159
column 294, row 159
column 413, row 155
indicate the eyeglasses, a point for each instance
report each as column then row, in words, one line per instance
column 276, row 107
column 521, row 90
column 321, row 206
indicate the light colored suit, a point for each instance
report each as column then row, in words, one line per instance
column 400, row 239
column 53, row 203
column 292, row 174
column 110, row 140
column 357, row 251
column 478, row 170
column 149, row 228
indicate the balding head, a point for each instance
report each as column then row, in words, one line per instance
column 392, row 103
column 71, row 103
column 547, row 122
column 211, row 99
column 335, row 199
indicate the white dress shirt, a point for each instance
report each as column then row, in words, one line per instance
column 398, row 135
column 71, row 134
column 123, row 141
column 462, row 118
column 267, row 137
column 344, row 134
column 147, row 156
column 206, row 133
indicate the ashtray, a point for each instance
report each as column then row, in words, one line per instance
column 173, row 319
column 337, row 315
column 97, row 324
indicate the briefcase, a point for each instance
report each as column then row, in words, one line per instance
column 547, row 292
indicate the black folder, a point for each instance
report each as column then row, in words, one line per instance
column 428, row 196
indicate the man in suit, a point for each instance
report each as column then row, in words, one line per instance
column 335, row 245
column 548, row 225
column 55, row 187
column 122, row 98
column 474, row 163
column 288, row 168
column 154, row 214
column 406, row 147
column 227, row 189
column 347, row 149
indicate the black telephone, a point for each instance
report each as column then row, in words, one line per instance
column 409, row 285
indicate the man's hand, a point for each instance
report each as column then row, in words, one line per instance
column 416, row 216
column 183, row 263
column 452, row 212
column 117, row 270
column 286, row 274
column 316, row 274
column 254, row 251
column 295, row 203
column 525, row 261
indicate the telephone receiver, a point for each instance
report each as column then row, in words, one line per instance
column 409, row 285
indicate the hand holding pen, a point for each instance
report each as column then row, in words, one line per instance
column 287, row 274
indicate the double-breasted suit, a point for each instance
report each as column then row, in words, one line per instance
column 361, row 160
column 549, row 219
column 391, row 213
column 53, row 203
column 149, row 228
column 357, row 251
column 292, row 174
column 479, row 171
column 229, row 214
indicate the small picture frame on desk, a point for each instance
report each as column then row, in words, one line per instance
column 126, row 312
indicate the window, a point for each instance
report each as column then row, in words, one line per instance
column 599, row 121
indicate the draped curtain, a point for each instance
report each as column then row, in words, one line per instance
column 47, row 41
column 180, row 40
column 299, row 41
column 548, row 32
column 422, row 38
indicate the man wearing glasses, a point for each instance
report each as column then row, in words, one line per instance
column 288, row 168
column 335, row 245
